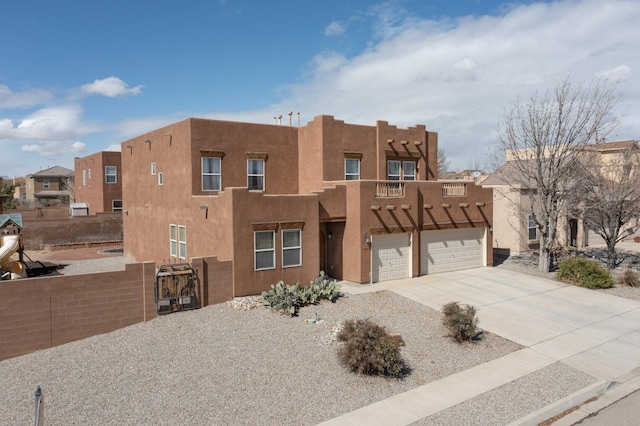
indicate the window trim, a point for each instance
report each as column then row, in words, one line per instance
column 219, row 174
column 249, row 176
column 182, row 243
column 107, row 174
column 291, row 248
column 173, row 242
column 256, row 250
column 347, row 174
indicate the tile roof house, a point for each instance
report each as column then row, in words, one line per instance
column 98, row 182
column 361, row 203
column 50, row 186
column 514, row 231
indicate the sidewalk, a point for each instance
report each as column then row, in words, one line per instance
column 593, row 332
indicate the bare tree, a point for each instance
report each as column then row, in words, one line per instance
column 543, row 138
column 606, row 194
column 443, row 163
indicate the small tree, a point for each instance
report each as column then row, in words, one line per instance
column 606, row 194
column 6, row 195
column 543, row 138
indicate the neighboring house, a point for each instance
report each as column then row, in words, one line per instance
column 514, row 230
column 98, row 182
column 361, row 203
column 50, row 187
column 19, row 189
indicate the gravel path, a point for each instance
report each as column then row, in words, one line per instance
column 219, row 365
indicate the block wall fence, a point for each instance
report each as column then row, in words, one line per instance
column 40, row 313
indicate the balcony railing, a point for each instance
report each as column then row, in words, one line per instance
column 454, row 189
column 389, row 190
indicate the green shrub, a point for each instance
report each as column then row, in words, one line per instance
column 584, row 272
column 460, row 320
column 289, row 299
column 369, row 349
column 630, row 278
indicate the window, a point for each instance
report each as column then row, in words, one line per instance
column 46, row 184
column 393, row 170
column 173, row 240
column 255, row 175
column 291, row 248
column 182, row 242
column 160, row 178
column 211, row 174
column 84, row 177
column 153, row 169
column 533, row 231
column 401, row 170
column 264, row 250
column 110, row 175
column 409, row 170
column 89, row 174
column 351, row 169
column 116, row 205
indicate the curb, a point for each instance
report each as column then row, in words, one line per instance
column 602, row 394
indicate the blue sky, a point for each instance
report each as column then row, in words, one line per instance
column 77, row 77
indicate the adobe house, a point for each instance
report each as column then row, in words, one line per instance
column 98, row 182
column 361, row 203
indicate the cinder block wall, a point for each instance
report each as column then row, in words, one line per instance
column 101, row 227
column 214, row 280
column 40, row 313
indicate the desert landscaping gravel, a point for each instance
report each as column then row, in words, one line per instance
column 220, row 365
column 226, row 365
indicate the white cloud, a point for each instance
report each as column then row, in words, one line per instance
column 115, row 147
column 111, row 87
column 31, row 148
column 334, row 29
column 10, row 99
column 457, row 76
column 54, row 123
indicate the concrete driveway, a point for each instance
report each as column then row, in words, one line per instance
column 588, row 330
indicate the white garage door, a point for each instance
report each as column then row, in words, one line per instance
column 391, row 256
column 451, row 250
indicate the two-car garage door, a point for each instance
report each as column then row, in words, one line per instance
column 440, row 251
column 451, row 250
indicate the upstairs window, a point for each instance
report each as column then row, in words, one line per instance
column 351, row 169
column 153, row 169
column 46, row 184
column 255, row 174
column 401, row 170
column 84, row 177
column 116, row 205
column 110, row 174
column 211, row 174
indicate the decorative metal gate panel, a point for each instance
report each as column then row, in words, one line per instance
column 175, row 289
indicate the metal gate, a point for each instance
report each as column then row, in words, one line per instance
column 174, row 289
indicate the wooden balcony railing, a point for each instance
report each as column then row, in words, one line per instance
column 389, row 190
column 454, row 189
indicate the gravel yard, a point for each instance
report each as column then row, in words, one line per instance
column 220, row 365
